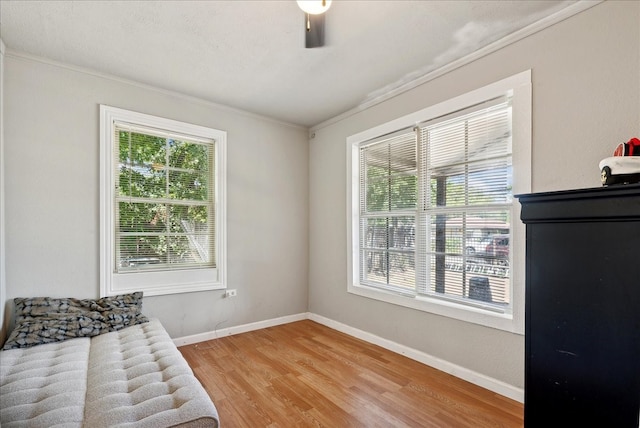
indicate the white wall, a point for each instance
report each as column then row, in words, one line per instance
column 586, row 100
column 52, row 197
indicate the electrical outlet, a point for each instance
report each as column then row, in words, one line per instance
column 230, row 293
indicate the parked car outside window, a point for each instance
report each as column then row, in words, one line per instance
column 494, row 248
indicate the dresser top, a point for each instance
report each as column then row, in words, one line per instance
column 611, row 203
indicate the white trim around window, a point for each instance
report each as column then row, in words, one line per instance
column 172, row 276
column 510, row 317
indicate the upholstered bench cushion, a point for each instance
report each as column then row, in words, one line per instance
column 45, row 385
column 137, row 376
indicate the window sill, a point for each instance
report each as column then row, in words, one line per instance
column 169, row 289
column 163, row 282
column 451, row 309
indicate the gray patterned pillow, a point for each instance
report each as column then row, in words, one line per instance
column 44, row 319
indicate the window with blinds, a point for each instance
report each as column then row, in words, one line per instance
column 388, row 198
column 466, row 208
column 163, row 215
column 435, row 207
column 431, row 220
column 164, row 200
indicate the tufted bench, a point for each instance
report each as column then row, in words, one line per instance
column 134, row 376
column 44, row 385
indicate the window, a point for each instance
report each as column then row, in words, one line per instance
column 162, row 205
column 432, row 219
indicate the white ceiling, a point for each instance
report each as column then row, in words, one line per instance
column 250, row 55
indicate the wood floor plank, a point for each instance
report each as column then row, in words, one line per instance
column 304, row 374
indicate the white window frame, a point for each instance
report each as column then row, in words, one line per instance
column 156, row 282
column 519, row 88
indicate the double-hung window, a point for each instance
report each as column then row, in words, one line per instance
column 432, row 219
column 162, row 207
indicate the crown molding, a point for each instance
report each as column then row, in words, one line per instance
column 516, row 36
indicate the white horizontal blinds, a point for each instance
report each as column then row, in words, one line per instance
column 388, row 196
column 164, row 200
column 467, row 204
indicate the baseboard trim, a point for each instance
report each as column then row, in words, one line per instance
column 244, row 328
column 479, row 379
column 471, row 376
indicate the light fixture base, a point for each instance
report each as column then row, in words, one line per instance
column 314, row 34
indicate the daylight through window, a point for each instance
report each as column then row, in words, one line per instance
column 162, row 206
column 164, row 201
column 457, row 201
column 433, row 220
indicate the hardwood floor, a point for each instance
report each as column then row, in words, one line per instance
column 304, row 374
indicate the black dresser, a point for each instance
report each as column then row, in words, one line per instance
column 582, row 320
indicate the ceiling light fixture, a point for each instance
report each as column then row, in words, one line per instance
column 314, row 21
column 314, row 7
